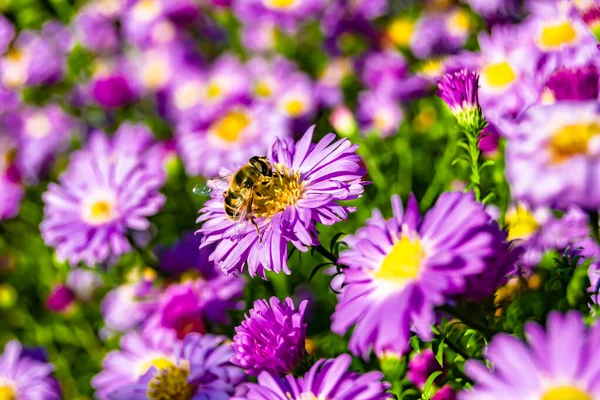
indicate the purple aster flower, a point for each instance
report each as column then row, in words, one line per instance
column 285, row 13
column 421, row 366
column 96, row 30
column 488, row 141
column 314, row 177
column 139, row 353
column 440, row 33
column 61, row 299
column 44, row 133
column 591, row 17
column 379, row 113
column 130, row 304
column 104, row 193
column 84, row 283
column 11, row 191
column 33, row 60
column 549, row 366
column 236, row 134
column 403, row 267
column 445, row 393
column 25, row 377
column 327, row 379
column 269, row 78
column 201, row 370
column 328, row 88
column 271, row 338
column 297, row 98
column 574, row 83
column 459, row 91
column 7, row 33
column 496, row 11
column 553, row 154
column 343, row 121
column 341, row 25
column 259, row 36
column 538, row 230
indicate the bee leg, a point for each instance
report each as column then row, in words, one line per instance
column 251, row 218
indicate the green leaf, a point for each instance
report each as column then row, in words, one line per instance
column 427, row 388
column 414, row 342
column 316, row 269
column 439, row 352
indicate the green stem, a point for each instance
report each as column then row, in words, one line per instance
column 594, row 228
column 474, row 155
column 467, row 321
column 326, row 253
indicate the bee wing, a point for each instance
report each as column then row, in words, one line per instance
column 242, row 224
column 213, row 185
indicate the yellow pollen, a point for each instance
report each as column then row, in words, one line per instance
column 230, row 127
column 170, row 384
column 521, row 223
column 100, row 210
column 15, row 55
column 403, row 262
column 499, row 75
column 262, row 89
column 571, row 140
column 400, row 31
column 566, row 393
column 294, row 107
column 213, row 90
column 159, row 362
column 460, row 21
column 557, row 34
column 284, row 190
column 7, row 392
column 280, row 3
column 432, row 68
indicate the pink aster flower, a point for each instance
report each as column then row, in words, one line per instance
column 400, row 269
column 105, row 192
column 314, row 178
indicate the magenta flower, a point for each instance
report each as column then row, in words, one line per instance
column 327, row 379
column 574, row 83
column 105, row 192
column 459, row 90
column 314, row 178
column 400, row 269
column 421, row 367
column 11, row 191
column 547, row 367
column 271, row 338
column 60, row 299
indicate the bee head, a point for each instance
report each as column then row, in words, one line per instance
column 262, row 165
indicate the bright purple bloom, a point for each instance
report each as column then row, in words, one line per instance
column 459, row 90
column 139, row 353
column 96, row 30
column 440, row 33
column 488, row 141
column 200, row 370
column 24, row 377
column 421, row 366
column 553, row 154
column 113, row 84
column 285, row 13
column 7, row 33
column 327, row 379
column 271, row 338
column 105, row 192
column 574, row 83
column 60, row 299
column 549, row 366
column 445, row 393
column 378, row 112
column 297, row 99
column 400, row 269
column 496, row 10
column 235, row 135
column 44, row 133
column 259, row 37
column 314, row 178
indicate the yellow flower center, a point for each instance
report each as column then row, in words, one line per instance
column 382, row 120
column 263, row 89
column 401, row 30
column 99, row 208
column 170, row 384
column 280, row 3
column 294, row 107
column 556, row 35
column 281, row 192
column 213, row 90
column 425, row 119
column 460, row 21
column 188, row 95
column 15, row 55
column 571, row 140
column 566, row 393
column 403, row 262
column 159, row 363
column 146, row 9
column 307, row 396
column 230, row 127
column 521, row 223
column 432, row 68
column 14, row 71
column 38, row 125
column 155, row 74
column 7, row 392
column 499, row 75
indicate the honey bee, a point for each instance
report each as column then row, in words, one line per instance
column 244, row 191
